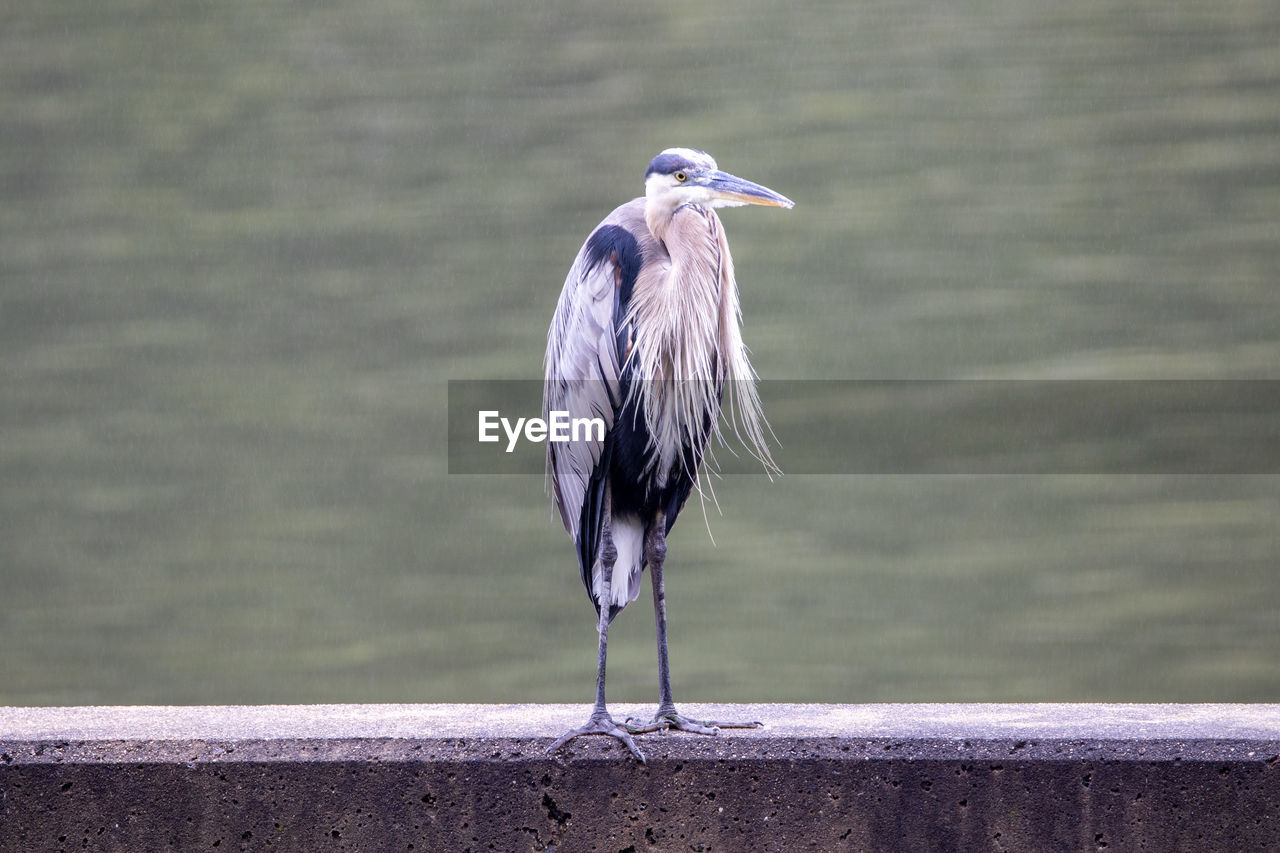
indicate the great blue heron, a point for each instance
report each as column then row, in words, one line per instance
column 646, row 336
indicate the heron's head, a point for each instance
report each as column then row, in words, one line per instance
column 685, row 176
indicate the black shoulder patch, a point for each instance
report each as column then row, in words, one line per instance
column 618, row 247
column 609, row 240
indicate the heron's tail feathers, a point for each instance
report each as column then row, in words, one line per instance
column 624, row 585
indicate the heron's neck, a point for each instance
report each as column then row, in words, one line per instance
column 657, row 215
column 679, row 301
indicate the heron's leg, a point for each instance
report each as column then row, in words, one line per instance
column 668, row 717
column 600, row 722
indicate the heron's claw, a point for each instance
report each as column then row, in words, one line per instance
column 672, row 719
column 657, row 724
column 601, row 724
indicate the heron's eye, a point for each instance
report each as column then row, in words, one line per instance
column 681, row 177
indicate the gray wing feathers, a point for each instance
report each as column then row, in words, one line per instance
column 581, row 377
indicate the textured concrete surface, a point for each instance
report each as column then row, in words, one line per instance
column 816, row 777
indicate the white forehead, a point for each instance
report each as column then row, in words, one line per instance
column 693, row 155
column 676, row 159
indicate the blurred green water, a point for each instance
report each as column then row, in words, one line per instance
column 244, row 245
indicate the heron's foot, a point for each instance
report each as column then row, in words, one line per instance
column 601, row 724
column 670, row 718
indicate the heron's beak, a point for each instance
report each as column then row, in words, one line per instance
column 731, row 191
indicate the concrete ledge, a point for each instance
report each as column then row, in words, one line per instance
column 817, row 777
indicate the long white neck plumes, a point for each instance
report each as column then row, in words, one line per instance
column 688, row 342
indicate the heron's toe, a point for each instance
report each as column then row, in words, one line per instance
column 672, row 719
column 600, row 725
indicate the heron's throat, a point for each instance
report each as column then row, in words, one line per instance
column 658, row 212
column 663, row 202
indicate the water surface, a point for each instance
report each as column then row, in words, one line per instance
column 245, row 245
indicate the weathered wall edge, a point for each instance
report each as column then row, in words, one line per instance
column 818, row 777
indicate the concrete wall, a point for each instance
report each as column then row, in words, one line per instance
column 818, row 777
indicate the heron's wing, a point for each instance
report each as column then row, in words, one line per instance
column 586, row 350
